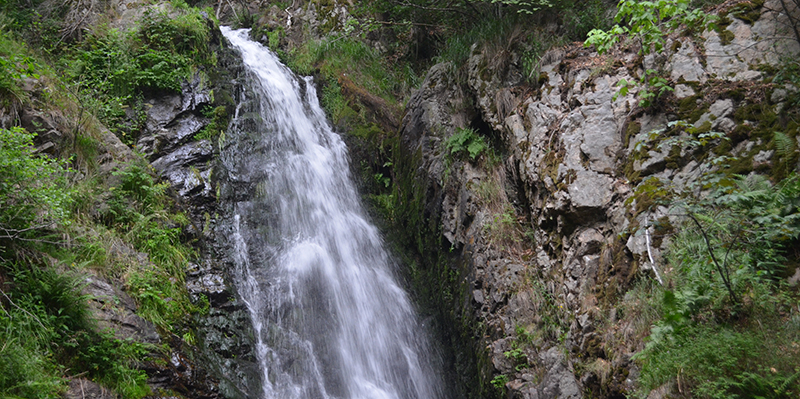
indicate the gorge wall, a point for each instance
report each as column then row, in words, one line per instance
column 553, row 229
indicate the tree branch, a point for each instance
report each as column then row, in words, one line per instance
column 792, row 20
column 649, row 253
column 722, row 274
column 23, row 310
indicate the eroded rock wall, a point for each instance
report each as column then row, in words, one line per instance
column 549, row 232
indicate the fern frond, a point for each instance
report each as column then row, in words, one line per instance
column 784, row 145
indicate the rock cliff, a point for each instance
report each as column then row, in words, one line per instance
column 552, row 227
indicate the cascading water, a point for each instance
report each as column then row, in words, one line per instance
column 329, row 317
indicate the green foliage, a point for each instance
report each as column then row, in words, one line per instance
column 137, row 210
column 499, row 382
column 649, row 23
column 45, row 312
column 46, row 330
column 725, row 266
column 466, row 143
column 580, row 17
column 39, row 23
column 721, row 362
column 219, row 122
column 32, row 194
column 25, row 371
column 15, row 66
column 338, row 56
column 525, row 6
column 503, row 32
column 111, row 69
column 503, row 229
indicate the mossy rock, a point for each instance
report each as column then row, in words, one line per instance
column 692, row 108
column 726, row 37
column 748, row 11
column 633, row 128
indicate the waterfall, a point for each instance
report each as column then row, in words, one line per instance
column 329, row 316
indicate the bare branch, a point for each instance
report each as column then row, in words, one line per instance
column 23, row 310
column 722, row 273
column 650, row 253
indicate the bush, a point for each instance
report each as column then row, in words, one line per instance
column 726, row 329
column 32, row 194
column 113, row 69
column 721, row 362
column 138, row 212
column 25, row 371
column 48, row 314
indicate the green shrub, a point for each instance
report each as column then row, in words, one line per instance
column 219, row 122
column 723, row 330
column 32, row 194
column 49, row 315
column 112, row 69
column 138, row 212
column 14, row 67
column 26, row 371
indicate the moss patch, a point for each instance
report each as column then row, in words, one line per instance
column 748, row 11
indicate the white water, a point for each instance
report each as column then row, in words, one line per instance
column 330, row 319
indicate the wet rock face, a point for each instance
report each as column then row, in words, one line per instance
column 224, row 365
column 574, row 161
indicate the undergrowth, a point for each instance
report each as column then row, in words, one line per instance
column 58, row 224
column 112, row 70
column 46, row 326
column 728, row 326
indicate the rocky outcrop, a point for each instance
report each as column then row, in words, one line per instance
column 550, row 238
column 169, row 140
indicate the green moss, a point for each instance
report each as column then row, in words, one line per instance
column 673, row 160
column 633, row 128
column 723, row 148
column 689, row 110
column 705, row 127
column 736, row 94
column 632, row 175
column 740, row 166
column 748, row 11
column 543, row 79
column 723, row 22
column 726, row 37
column 756, row 120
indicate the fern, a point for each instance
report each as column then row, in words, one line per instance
column 466, row 142
column 784, row 145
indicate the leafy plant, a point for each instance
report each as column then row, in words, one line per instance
column 48, row 313
column 219, row 122
column 466, row 143
column 721, row 362
column 499, row 382
column 137, row 211
column 648, row 23
column 31, row 188
column 15, row 67
column 726, row 261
